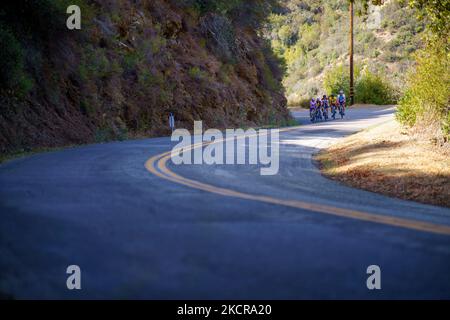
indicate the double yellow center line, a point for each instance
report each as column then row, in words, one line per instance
column 157, row 165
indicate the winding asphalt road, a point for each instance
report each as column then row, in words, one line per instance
column 141, row 227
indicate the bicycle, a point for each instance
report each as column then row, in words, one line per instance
column 333, row 111
column 342, row 109
column 325, row 113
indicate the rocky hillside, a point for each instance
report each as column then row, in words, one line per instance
column 312, row 37
column 131, row 64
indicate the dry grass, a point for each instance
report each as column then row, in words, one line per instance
column 388, row 159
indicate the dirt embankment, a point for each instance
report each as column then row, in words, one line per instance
column 390, row 160
column 133, row 63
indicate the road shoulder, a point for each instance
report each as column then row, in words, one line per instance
column 387, row 159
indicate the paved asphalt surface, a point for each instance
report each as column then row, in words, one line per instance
column 136, row 235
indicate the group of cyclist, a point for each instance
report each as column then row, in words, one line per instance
column 318, row 108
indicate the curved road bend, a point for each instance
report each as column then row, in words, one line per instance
column 135, row 234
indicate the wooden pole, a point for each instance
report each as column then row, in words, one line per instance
column 351, row 54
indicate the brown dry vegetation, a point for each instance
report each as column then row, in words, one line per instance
column 132, row 64
column 390, row 160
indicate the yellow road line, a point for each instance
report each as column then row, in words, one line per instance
column 157, row 165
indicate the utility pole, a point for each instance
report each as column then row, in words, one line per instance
column 351, row 54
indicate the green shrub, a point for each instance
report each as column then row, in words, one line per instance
column 426, row 99
column 226, row 70
column 300, row 102
column 245, row 12
column 107, row 133
column 131, row 59
column 221, row 37
column 197, row 73
column 86, row 108
column 12, row 72
column 95, row 64
column 373, row 88
column 40, row 19
column 104, row 134
column 147, row 78
column 446, row 125
column 338, row 78
column 369, row 87
column 406, row 114
column 321, row 40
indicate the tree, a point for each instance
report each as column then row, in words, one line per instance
column 436, row 12
column 365, row 5
column 426, row 99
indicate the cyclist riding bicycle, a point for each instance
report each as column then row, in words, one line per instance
column 312, row 104
column 325, row 106
column 333, row 104
column 312, row 109
column 341, row 98
column 325, row 102
column 333, row 100
column 341, row 101
column 318, row 108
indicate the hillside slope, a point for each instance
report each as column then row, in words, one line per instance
column 312, row 36
column 130, row 65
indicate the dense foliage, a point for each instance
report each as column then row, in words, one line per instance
column 370, row 87
column 436, row 13
column 312, row 36
column 426, row 103
column 373, row 88
column 130, row 65
column 12, row 73
column 25, row 27
column 245, row 12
